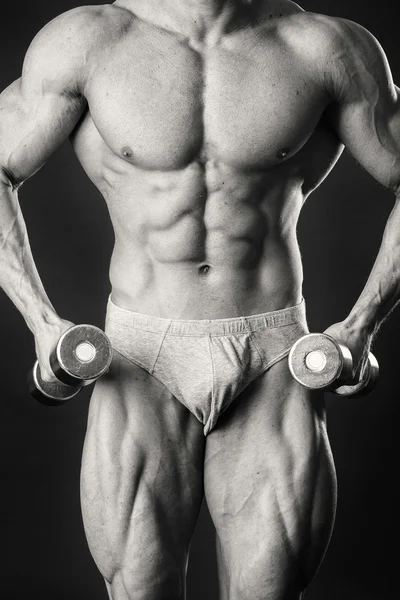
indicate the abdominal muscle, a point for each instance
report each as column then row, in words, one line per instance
column 206, row 242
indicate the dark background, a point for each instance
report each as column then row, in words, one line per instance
column 44, row 549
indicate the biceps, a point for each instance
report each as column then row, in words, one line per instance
column 371, row 133
column 32, row 127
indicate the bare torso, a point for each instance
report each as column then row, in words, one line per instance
column 205, row 138
column 205, row 150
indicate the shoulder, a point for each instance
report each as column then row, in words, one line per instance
column 313, row 32
column 69, row 31
column 336, row 35
column 306, row 32
column 65, row 46
column 334, row 45
column 337, row 51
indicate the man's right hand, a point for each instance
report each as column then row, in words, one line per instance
column 46, row 339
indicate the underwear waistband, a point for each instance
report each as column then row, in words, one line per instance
column 183, row 327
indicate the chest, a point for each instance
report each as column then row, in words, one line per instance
column 161, row 104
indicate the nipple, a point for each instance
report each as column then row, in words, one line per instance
column 127, row 152
column 283, row 153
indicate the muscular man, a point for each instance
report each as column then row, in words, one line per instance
column 205, row 124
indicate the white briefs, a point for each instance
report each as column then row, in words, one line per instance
column 205, row 364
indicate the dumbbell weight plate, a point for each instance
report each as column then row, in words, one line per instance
column 82, row 354
column 317, row 361
column 366, row 384
column 49, row 393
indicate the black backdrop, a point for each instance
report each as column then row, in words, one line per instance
column 44, row 549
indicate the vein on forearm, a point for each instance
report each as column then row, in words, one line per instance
column 382, row 290
column 18, row 274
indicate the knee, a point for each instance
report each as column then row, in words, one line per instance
column 261, row 575
column 125, row 584
column 265, row 590
column 120, row 587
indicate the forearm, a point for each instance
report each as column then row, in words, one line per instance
column 18, row 274
column 382, row 290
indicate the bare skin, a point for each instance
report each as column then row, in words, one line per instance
column 205, row 125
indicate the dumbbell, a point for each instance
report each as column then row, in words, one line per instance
column 82, row 354
column 319, row 362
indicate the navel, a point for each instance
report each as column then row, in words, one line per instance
column 204, row 269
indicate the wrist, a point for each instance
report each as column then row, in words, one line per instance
column 41, row 317
column 30, row 299
column 360, row 322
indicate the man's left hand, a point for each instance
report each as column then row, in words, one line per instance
column 358, row 341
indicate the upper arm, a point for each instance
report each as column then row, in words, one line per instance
column 365, row 108
column 39, row 110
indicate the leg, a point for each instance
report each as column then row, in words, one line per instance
column 271, row 489
column 141, row 484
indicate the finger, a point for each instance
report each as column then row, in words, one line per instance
column 361, row 367
column 46, row 373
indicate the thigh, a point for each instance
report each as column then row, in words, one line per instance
column 271, row 489
column 141, row 484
